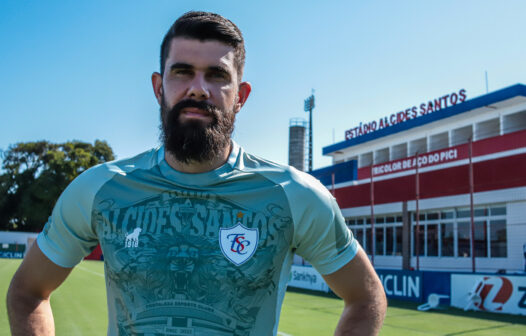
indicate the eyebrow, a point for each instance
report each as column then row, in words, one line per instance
column 218, row 69
column 177, row 66
column 181, row 66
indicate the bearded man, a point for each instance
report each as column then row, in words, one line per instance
column 198, row 235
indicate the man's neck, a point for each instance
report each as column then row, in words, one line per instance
column 194, row 167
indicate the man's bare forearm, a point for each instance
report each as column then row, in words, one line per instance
column 29, row 315
column 362, row 319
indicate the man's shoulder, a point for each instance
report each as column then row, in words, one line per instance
column 93, row 178
column 290, row 178
column 144, row 160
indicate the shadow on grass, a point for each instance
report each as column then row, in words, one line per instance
column 474, row 330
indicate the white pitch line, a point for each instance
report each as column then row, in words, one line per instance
column 90, row 271
column 281, row 333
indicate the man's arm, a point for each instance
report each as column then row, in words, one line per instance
column 361, row 290
column 28, row 305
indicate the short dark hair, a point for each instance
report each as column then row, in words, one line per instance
column 206, row 26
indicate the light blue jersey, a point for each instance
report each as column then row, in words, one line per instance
column 197, row 254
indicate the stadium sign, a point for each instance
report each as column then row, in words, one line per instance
column 424, row 160
column 11, row 255
column 491, row 293
column 404, row 285
column 307, row 278
column 409, row 113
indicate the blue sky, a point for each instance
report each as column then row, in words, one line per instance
column 81, row 69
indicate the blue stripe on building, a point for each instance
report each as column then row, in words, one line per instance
column 343, row 172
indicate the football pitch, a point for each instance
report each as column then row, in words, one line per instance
column 79, row 307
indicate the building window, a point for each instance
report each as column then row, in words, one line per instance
column 432, row 239
column 447, row 239
column 463, row 240
column 481, row 239
column 498, row 211
column 379, row 240
column 447, row 214
column 422, row 239
column 498, row 239
column 397, row 248
column 444, row 233
column 448, row 233
column 387, row 234
column 389, row 240
column 358, row 234
column 367, row 240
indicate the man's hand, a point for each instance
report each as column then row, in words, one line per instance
column 28, row 305
column 361, row 290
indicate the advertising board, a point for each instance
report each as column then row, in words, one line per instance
column 403, row 285
column 307, row 278
column 491, row 293
column 11, row 255
column 12, row 251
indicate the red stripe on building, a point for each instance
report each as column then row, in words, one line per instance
column 481, row 147
column 502, row 173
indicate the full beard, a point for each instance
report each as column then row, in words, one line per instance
column 195, row 140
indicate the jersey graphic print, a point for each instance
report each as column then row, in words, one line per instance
column 181, row 280
column 238, row 243
column 132, row 239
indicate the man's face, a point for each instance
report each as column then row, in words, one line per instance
column 199, row 95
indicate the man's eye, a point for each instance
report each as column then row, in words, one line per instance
column 182, row 72
column 218, row 75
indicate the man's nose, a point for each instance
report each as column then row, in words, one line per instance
column 198, row 89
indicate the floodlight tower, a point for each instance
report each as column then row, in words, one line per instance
column 309, row 106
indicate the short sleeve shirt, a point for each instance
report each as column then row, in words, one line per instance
column 197, row 254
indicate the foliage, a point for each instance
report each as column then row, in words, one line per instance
column 35, row 173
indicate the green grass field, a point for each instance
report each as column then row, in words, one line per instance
column 79, row 307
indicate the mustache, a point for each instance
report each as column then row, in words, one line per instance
column 202, row 105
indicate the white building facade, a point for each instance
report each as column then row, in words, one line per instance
column 459, row 164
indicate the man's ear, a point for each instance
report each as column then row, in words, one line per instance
column 157, row 84
column 242, row 95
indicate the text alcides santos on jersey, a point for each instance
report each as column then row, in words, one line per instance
column 195, row 213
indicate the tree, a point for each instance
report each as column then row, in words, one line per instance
column 34, row 174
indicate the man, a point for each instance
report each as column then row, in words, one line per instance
column 198, row 235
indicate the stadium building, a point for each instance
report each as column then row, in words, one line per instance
column 444, row 182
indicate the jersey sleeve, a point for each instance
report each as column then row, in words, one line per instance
column 320, row 233
column 69, row 236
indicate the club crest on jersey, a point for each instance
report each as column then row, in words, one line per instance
column 238, row 243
